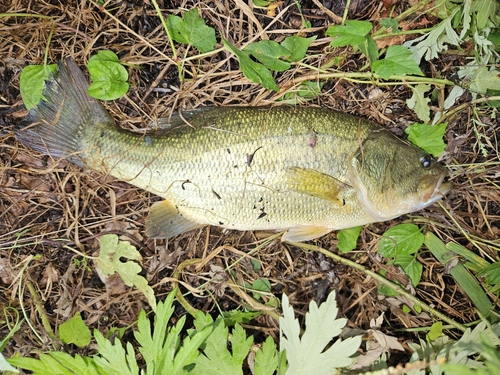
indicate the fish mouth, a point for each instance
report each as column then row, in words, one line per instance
column 434, row 190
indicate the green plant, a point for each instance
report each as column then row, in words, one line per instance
column 208, row 348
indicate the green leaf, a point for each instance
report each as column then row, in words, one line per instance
column 435, row 332
column 6, row 366
column 113, row 359
column 108, row 262
column 411, row 266
column 307, row 354
column 435, row 41
column 56, row 363
column 240, row 344
column 155, row 349
column 235, row 316
column 369, row 49
column 476, row 261
column 390, row 23
column 307, row 90
column 256, row 264
column 419, row 103
column 266, row 358
column 468, row 283
column 402, row 239
column 262, row 284
column 352, row 33
column 297, row 47
column 192, row 30
column 484, row 9
column 428, row 137
column 109, row 77
column 74, row 331
column 254, row 71
column 398, row 60
column 32, row 82
column 269, row 52
column 348, row 238
column 216, row 358
column 492, row 273
column 484, row 80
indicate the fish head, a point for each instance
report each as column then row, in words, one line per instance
column 393, row 178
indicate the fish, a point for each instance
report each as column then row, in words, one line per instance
column 301, row 170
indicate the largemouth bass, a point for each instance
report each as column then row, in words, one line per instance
column 306, row 171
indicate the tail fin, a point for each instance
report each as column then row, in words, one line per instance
column 58, row 121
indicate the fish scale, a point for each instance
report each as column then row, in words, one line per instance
column 302, row 170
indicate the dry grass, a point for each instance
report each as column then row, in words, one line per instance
column 47, row 204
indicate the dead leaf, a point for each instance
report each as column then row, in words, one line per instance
column 6, row 272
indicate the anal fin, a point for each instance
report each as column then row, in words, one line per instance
column 165, row 221
column 304, row 233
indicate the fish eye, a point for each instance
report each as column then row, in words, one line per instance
column 426, row 161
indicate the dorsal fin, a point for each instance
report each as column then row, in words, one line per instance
column 181, row 118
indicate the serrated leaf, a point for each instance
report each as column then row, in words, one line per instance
column 266, row 358
column 269, row 53
column 484, row 9
column 109, row 77
column 428, row 137
column 306, row 354
column 240, row 344
column 348, row 238
column 114, row 359
column 297, row 46
column 352, row 33
column 235, row 316
column 254, row 71
column 108, row 262
column 398, row 60
column 153, row 347
column 45, row 365
column 419, row 103
column 192, row 30
column 216, row 358
column 435, row 41
column 402, row 239
column 74, row 331
column 77, row 364
column 411, row 266
column 32, row 82
column 484, row 80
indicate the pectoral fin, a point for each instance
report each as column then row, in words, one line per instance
column 320, row 185
column 165, row 221
column 304, row 233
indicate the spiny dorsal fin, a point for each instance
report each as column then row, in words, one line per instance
column 317, row 184
column 165, row 221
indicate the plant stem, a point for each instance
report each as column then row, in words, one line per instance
column 383, row 281
column 459, row 108
column 41, row 310
column 178, row 294
column 167, row 31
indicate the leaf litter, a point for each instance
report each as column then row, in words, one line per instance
column 47, row 205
